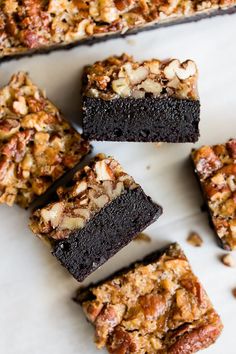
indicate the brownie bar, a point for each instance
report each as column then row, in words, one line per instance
column 154, row 100
column 101, row 212
column 154, row 306
column 215, row 168
column 37, row 146
column 28, row 27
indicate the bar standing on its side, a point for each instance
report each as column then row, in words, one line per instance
column 215, row 168
column 154, row 306
column 101, row 211
column 155, row 101
column 28, row 27
column 37, row 145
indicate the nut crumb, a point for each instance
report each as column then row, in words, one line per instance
column 157, row 145
column 228, row 260
column 234, row 292
column 195, row 239
column 142, row 237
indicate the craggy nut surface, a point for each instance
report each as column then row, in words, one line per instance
column 216, row 170
column 31, row 25
column 37, row 146
column 155, row 306
column 121, row 76
column 92, row 188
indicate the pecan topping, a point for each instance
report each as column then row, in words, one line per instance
column 33, row 24
column 216, row 170
column 37, row 145
column 122, row 76
column 151, row 309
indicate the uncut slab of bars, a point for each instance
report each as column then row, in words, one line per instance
column 215, row 168
column 154, row 306
column 30, row 26
column 156, row 101
column 37, row 146
column 101, row 212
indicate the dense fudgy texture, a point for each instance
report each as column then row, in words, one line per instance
column 154, row 306
column 37, row 145
column 96, row 215
column 106, row 233
column 215, row 167
column 145, row 119
column 30, row 26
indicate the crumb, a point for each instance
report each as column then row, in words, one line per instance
column 228, row 260
column 142, row 237
column 131, row 41
column 148, row 167
column 234, row 292
column 194, row 239
column 158, row 144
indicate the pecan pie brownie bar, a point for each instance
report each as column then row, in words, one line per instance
column 155, row 306
column 99, row 213
column 125, row 100
column 215, row 167
column 29, row 26
column 37, row 146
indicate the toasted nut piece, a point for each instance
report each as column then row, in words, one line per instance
column 72, row 223
column 187, row 69
column 108, row 11
column 103, row 171
column 8, row 127
column 53, row 214
column 151, row 86
column 142, row 237
column 153, row 66
column 194, row 239
column 136, row 76
column 170, row 69
column 228, row 260
column 20, row 106
column 79, row 188
column 121, row 87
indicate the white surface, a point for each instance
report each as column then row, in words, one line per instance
column 37, row 315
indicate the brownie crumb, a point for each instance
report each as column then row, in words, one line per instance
column 142, row 237
column 195, row 239
column 228, row 260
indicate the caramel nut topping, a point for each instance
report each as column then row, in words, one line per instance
column 152, row 308
column 34, row 24
column 122, row 76
column 37, row 145
column 216, row 169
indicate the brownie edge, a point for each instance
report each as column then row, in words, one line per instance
column 106, row 233
column 146, row 119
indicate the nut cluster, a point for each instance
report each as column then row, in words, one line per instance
column 123, row 77
column 216, row 169
column 37, row 146
column 93, row 187
column 30, row 24
column 160, row 306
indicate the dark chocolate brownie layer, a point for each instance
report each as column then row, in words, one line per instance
column 96, row 39
column 106, row 233
column 145, row 119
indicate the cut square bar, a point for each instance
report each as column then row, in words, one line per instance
column 155, row 101
column 100, row 213
column 37, row 145
column 154, row 306
column 39, row 26
column 215, row 168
